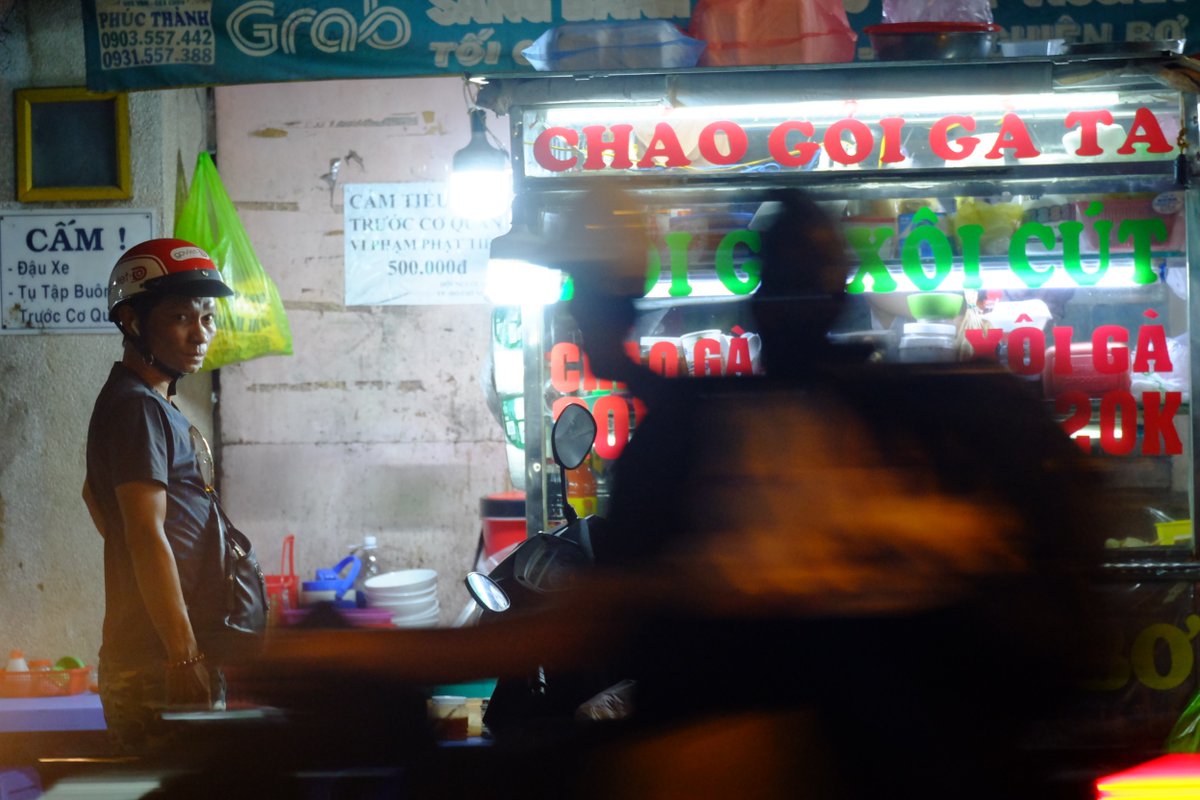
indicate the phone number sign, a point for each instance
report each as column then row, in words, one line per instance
column 165, row 34
column 54, row 267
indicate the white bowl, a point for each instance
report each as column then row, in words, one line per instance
column 390, row 594
column 429, row 621
column 416, row 613
column 377, row 596
column 405, row 580
column 405, row 606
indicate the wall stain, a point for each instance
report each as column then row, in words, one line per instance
column 392, row 120
column 399, row 386
column 266, row 205
column 310, row 386
column 269, row 133
column 292, row 305
column 338, row 386
column 400, row 119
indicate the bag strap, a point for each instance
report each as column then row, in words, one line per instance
column 227, row 541
column 222, row 530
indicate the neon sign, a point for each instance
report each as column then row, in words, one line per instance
column 928, row 257
column 849, row 141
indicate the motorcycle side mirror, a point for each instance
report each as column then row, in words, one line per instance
column 487, row 592
column 572, row 436
column 570, row 442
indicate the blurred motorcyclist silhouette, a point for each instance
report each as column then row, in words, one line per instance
column 882, row 563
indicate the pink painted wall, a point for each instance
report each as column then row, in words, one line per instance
column 378, row 423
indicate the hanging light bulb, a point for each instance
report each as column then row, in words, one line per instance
column 519, row 271
column 480, row 180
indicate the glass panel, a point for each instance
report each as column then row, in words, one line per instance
column 1084, row 297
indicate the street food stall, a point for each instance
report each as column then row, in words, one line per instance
column 1038, row 212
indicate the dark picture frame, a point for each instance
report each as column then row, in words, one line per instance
column 72, row 144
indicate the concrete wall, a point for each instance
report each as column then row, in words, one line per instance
column 51, row 591
column 377, row 424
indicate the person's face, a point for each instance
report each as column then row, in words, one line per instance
column 179, row 330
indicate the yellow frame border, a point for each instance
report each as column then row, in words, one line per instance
column 25, row 100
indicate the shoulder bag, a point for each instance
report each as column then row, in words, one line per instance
column 239, row 619
column 243, row 621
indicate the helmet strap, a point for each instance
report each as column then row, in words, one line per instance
column 143, row 349
column 151, row 361
column 136, row 336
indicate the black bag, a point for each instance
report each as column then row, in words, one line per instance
column 243, row 621
column 236, row 618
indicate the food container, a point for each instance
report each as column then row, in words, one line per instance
column 925, row 342
column 44, row 683
column 1083, row 375
column 927, row 41
column 1174, row 532
column 1031, row 47
column 935, row 305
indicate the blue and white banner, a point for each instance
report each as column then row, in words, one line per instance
column 143, row 44
column 154, row 44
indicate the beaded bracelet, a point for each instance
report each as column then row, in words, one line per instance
column 187, row 662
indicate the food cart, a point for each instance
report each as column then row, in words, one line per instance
column 1041, row 212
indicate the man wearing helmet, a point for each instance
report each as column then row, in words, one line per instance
column 147, row 496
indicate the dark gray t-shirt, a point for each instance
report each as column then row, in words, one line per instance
column 136, row 435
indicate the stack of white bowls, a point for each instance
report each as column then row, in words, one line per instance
column 410, row 594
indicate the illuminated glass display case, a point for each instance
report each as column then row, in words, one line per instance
column 1052, row 197
column 1039, row 212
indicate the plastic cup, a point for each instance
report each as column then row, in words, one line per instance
column 449, row 716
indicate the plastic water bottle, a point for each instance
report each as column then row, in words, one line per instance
column 372, row 565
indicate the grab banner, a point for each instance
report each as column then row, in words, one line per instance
column 139, row 44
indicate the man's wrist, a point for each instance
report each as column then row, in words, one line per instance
column 185, row 662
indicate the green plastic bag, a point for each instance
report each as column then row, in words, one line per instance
column 251, row 323
column 1185, row 735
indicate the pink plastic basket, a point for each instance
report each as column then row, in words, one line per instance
column 44, row 683
column 357, row 617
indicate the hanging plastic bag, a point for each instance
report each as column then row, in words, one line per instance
column 898, row 11
column 1185, row 735
column 627, row 44
column 252, row 322
column 772, row 32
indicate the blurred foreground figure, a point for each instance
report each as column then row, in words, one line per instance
column 854, row 582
